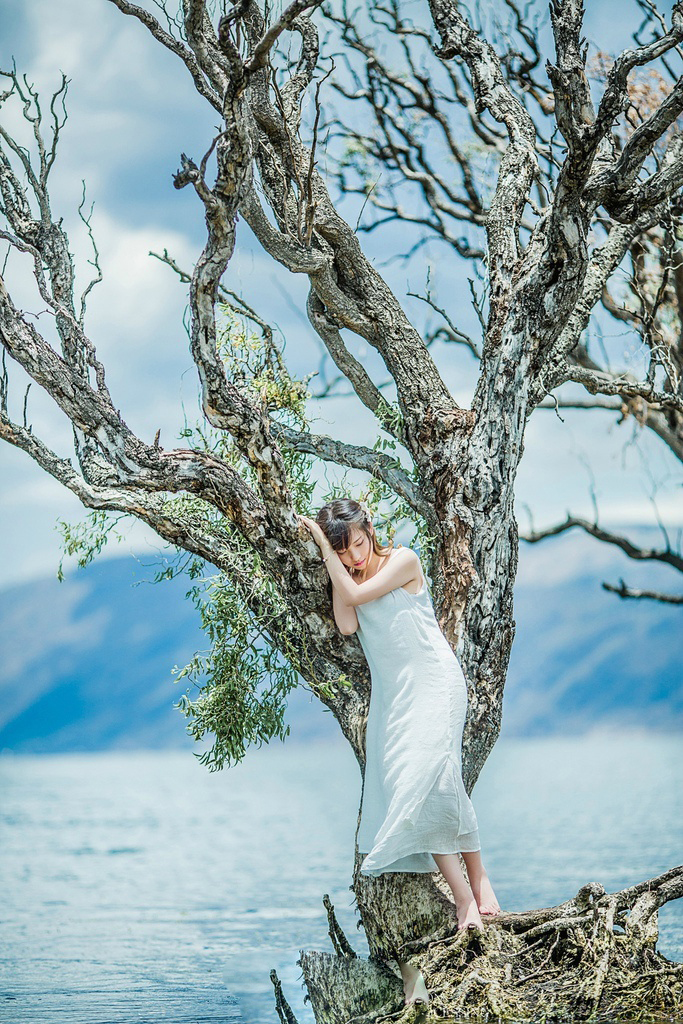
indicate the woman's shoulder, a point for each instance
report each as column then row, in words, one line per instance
column 405, row 553
column 405, row 548
column 411, row 555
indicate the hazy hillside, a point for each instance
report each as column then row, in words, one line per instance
column 87, row 663
column 585, row 658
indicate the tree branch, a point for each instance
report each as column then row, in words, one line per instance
column 210, row 90
column 668, row 557
column 375, row 463
column 518, row 165
column 654, row 595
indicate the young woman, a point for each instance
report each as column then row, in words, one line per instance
column 416, row 815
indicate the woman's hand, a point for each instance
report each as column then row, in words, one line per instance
column 318, row 536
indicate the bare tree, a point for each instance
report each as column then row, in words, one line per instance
column 231, row 496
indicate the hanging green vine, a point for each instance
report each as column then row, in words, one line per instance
column 87, row 538
column 256, row 654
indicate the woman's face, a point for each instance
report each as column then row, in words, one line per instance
column 358, row 552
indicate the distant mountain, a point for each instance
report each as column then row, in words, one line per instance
column 584, row 658
column 87, row 662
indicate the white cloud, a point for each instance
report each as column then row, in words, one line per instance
column 120, row 76
column 40, row 490
column 669, row 507
column 135, row 322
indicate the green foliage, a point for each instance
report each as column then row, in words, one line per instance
column 379, row 496
column 254, row 364
column 390, row 511
column 234, row 704
column 242, row 681
column 185, row 563
column 256, row 648
column 87, row 538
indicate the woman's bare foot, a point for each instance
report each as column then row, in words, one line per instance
column 485, row 897
column 463, row 897
column 480, row 885
column 414, row 988
column 468, row 915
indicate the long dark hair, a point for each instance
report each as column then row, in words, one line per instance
column 337, row 519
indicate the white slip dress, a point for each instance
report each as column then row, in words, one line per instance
column 414, row 802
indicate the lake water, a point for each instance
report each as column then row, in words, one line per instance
column 138, row 887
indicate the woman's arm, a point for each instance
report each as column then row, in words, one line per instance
column 344, row 615
column 403, row 567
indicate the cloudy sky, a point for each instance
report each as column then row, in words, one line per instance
column 132, row 111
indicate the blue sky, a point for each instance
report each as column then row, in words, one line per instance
column 132, row 110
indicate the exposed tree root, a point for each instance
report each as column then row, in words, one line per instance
column 284, row 1010
column 591, row 958
column 345, row 989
